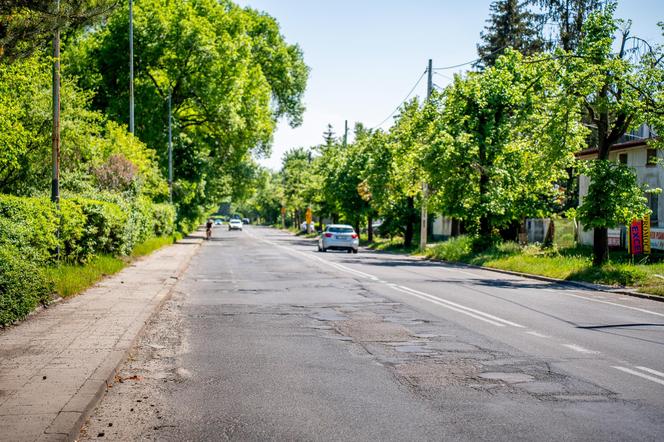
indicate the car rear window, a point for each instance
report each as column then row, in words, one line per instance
column 340, row 229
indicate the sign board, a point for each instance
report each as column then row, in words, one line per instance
column 636, row 237
column 283, row 211
column 646, row 234
column 308, row 215
column 614, row 237
column 657, row 239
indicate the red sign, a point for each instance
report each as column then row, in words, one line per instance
column 636, row 238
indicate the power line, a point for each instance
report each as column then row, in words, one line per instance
column 469, row 62
column 402, row 101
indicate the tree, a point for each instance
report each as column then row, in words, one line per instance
column 619, row 91
column 568, row 18
column 511, row 25
column 27, row 25
column 229, row 71
column 504, row 137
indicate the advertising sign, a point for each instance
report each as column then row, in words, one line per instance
column 646, row 234
column 657, row 239
column 614, row 237
column 636, row 237
column 308, row 215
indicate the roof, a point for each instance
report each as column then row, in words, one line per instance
column 618, row 146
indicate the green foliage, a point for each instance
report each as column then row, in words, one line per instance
column 163, row 219
column 231, row 74
column 504, row 138
column 614, row 197
column 29, row 225
column 23, row 285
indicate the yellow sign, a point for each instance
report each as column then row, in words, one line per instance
column 308, row 215
column 646, row 234
column 283, row 211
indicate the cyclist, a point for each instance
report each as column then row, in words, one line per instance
column 208, row 229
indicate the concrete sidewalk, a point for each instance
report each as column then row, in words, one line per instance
column 55, row 366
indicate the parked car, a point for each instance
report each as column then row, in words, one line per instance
column 338, row 237
column 235, row 224
column 217, row 222
column 245, row 220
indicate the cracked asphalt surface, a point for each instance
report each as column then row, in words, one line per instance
column 266, row 339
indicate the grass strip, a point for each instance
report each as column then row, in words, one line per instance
column 71, row 279
column 569, row 263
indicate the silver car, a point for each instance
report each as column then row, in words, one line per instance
column 338, row 237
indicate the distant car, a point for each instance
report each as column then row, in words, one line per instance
column 235, row 224
column 217, row 222
column 245, row 220
column 338, row 237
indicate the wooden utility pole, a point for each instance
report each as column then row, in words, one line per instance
column 55, row 150
column 345, row 133
column 131, row 66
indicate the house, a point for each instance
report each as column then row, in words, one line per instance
column 639, row 156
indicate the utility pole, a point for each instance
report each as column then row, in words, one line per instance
column 55, row 183
column 345, row 133
column 170, row 149
column 425, row 188
column 131, row 66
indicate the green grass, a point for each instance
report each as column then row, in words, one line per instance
column 393, row 245
column 152, row 244
column 569, row 263
column 71, row 279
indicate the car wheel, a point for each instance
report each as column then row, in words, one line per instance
column 350, row 250
column 354, row 250
column 323, row 250
column 319, row 249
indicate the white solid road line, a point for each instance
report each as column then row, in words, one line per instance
column 650, row 370
column 399, row 289
column 534, row 333
column 641, row 375
column 460, row 306
column 613, row 303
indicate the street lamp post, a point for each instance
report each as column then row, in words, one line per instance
column 131, row 66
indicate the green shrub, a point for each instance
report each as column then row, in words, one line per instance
column 72, row 228
column 29, row 225
column 454, row 249
column 104, row 229
column 23, row 286
column 163, row 219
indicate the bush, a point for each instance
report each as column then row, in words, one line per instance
column 454, row 249
column 23, row 286
column 104, row 229
column 163, row 219
column 29, row 225
column 72, row 227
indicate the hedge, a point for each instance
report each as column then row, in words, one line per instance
column 32, row 229
column 23, row 286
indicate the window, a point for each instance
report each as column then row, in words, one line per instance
column 653, row 204
column 622, row 158
column 651, row 157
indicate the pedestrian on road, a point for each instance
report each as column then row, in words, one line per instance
column 208, row 229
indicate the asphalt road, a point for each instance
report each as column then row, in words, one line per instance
column 267, row 339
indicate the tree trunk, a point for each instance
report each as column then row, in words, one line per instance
column 369, row 228
column 408, row 236
column 456, row 227
column 600, row 246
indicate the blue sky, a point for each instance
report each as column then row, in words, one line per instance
column 366, row 55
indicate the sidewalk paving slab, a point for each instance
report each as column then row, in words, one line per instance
column 56, row 365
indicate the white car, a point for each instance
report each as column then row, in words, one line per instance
column 235, row 224
column 339, row 237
